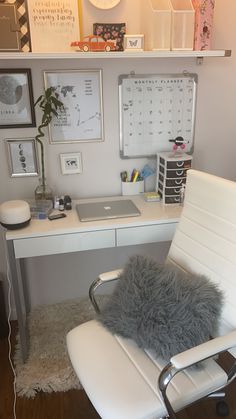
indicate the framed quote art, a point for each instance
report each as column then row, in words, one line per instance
column 54, row 24
column 81, row 119
column 16, row 99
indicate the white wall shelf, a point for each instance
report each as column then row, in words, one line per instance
column 109, row 55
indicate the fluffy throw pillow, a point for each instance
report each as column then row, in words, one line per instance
column 162, row 308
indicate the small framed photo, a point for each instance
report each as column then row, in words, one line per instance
column 133, row 42
column 71, row 163
column 16, row 99
column 22, row 157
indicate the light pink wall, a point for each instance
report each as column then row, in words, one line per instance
column 215, row 140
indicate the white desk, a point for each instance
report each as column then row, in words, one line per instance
column 156, row 223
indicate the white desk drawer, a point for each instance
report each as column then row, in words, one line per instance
column 64, row 243
column 145, row 234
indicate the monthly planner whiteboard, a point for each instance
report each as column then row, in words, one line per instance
column 154, row 109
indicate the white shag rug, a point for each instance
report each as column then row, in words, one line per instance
column 48, row 366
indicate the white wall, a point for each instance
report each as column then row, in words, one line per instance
column 56, row 278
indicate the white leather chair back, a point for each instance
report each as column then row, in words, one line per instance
column 205, row 239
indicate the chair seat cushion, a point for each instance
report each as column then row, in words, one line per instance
column 162, row 308
column 121, row 379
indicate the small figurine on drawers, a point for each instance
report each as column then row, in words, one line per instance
column 178, row 142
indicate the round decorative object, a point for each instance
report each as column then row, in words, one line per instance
column 15, row 214
column 104, row 4
column 10, row 90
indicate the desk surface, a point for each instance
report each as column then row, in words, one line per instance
column 151, row 213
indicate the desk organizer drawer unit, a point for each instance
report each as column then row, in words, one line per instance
column 174, row 182
column 175, row 173
column 171, row 175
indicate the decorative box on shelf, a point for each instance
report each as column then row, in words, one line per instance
column 156, row 24
column 182, row 25
column 111, row 31
column 171, row 175
column 168, row 24
column 204, row 11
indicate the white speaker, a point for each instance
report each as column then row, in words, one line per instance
column 14, row 214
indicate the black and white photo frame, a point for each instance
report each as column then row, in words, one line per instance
column 71, row 163
column 16, row 99
column 22, row 157
column 81, row 119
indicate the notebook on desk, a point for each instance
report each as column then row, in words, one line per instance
column 93, row 211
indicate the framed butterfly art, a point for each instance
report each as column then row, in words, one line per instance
column 133, row 42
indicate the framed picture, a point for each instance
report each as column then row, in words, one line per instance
column 22, row 12
column 22, row 23
column 133, row 42
column 71, row 163
column 16, row 99
column 111, row 31
column 80, row 91
column 9, row 28
column 22, row 157
column 54, row 24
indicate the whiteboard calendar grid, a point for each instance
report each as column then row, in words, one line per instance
column 154, row 109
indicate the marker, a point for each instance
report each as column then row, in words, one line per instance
column 135, row 176
column 132, row 175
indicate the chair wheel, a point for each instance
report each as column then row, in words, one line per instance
column 222, row 409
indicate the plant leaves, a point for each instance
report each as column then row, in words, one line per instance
column 38, row 100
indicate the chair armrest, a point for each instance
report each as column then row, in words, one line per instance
column 102, row 279
column 110, row 276
column 190, row 357
column 204, row 351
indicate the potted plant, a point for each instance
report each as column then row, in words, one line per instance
column 49, row 105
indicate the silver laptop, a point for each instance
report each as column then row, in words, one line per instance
column 93, row 211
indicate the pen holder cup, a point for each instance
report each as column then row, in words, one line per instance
column 132, row 188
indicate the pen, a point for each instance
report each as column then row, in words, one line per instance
column 124, row 176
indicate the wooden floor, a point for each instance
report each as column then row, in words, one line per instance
column 74, row 404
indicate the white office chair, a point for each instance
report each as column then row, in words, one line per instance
column 121, row 380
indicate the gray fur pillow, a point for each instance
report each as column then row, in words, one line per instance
column 162, row 308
